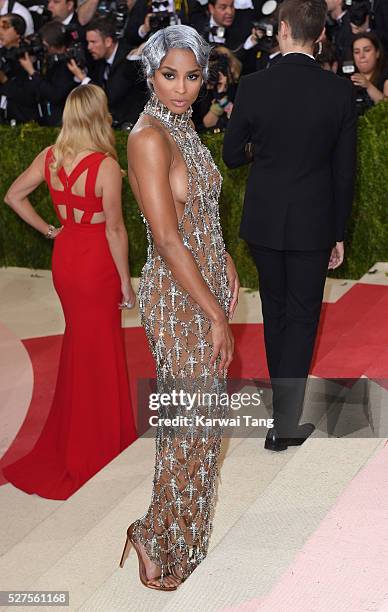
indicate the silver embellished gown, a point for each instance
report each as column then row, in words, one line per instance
column 176, row 528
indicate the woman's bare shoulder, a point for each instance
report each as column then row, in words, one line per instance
column 109, row 168
column 147, row 138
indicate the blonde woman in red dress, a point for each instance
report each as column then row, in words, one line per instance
column 91, row 420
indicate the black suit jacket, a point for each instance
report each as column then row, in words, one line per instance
column 381, row 21
column 51, row 90
column 301, row 121
column 21, row 99
column 235, row 35
column 125, row 87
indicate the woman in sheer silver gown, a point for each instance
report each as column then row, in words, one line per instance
column 188, row 290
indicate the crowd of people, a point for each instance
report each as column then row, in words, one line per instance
column 47, row 49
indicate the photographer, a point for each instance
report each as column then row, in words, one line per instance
column 53, row 86
column 371, row 79
column 65, row 12
column 89, row 9
column 114, row 71
column 10, row 6
column 214, row 108
column 221, row 28
column 345, row 19
column 261, row 50
column 17, row 93
column 148, row 16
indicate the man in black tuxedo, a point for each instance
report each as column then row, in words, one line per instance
column 65, row 12
column 51, row 86
column 301, row 123
column 220, row 25
column 114, row 71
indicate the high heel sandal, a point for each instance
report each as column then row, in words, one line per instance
column 142, row 570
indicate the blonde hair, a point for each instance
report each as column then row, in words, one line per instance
column 86, row 119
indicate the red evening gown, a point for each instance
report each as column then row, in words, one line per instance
column 91, row 419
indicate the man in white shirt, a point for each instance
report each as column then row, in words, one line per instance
column 7, row 6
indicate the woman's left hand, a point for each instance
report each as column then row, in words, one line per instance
column 129, row 297
column 234, row 284
column 360, row 80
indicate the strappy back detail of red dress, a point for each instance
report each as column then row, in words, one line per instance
column 88, row 203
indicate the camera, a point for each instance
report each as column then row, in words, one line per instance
column 363, row 102
column 9, row 57
column 161, row 17
column 74, row 49
column 358, row 10
column 269, row 28
column 118, row 11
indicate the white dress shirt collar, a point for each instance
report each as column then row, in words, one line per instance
column 300, row 53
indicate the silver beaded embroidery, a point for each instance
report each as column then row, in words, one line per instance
column 176, row 528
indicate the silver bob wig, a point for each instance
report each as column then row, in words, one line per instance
column 174, row 37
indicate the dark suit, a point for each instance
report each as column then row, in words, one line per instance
column 51, row 90
column 301, row 121
column 235, row 36
column 381, row 21
column 189, row 11
column 20, row 93
column 125, row 87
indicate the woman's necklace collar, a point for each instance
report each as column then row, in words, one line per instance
column 157, row 109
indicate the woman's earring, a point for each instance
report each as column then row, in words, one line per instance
column 319, row 47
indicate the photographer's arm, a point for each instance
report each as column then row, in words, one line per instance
column 238, row 131
column 86, row 11
column 217, row 107
column 17, row 195
column 53, row 92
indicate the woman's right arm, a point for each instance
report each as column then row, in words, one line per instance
column 17, row 195
column 150, row 159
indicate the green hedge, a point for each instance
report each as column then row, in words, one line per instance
column 367, row 241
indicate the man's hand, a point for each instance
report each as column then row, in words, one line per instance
column 337, row 256
column 145, row 28
column 76, row 70
column 234, row 284
column 26, row 63
column 364, row 27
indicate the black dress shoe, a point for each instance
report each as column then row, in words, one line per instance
column 275, row 443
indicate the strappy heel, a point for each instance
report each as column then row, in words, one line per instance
column 142, row 570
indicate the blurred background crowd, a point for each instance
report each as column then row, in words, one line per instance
column 48, row 47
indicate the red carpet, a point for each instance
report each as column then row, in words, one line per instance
column 352, row 341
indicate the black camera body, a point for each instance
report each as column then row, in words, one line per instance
column 118, row 11
column 74, row 49
column 10, row 57
column 363, row 101
column 358, row 10
column 269, row 27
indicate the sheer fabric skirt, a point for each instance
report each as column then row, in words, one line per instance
column 176, row 528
